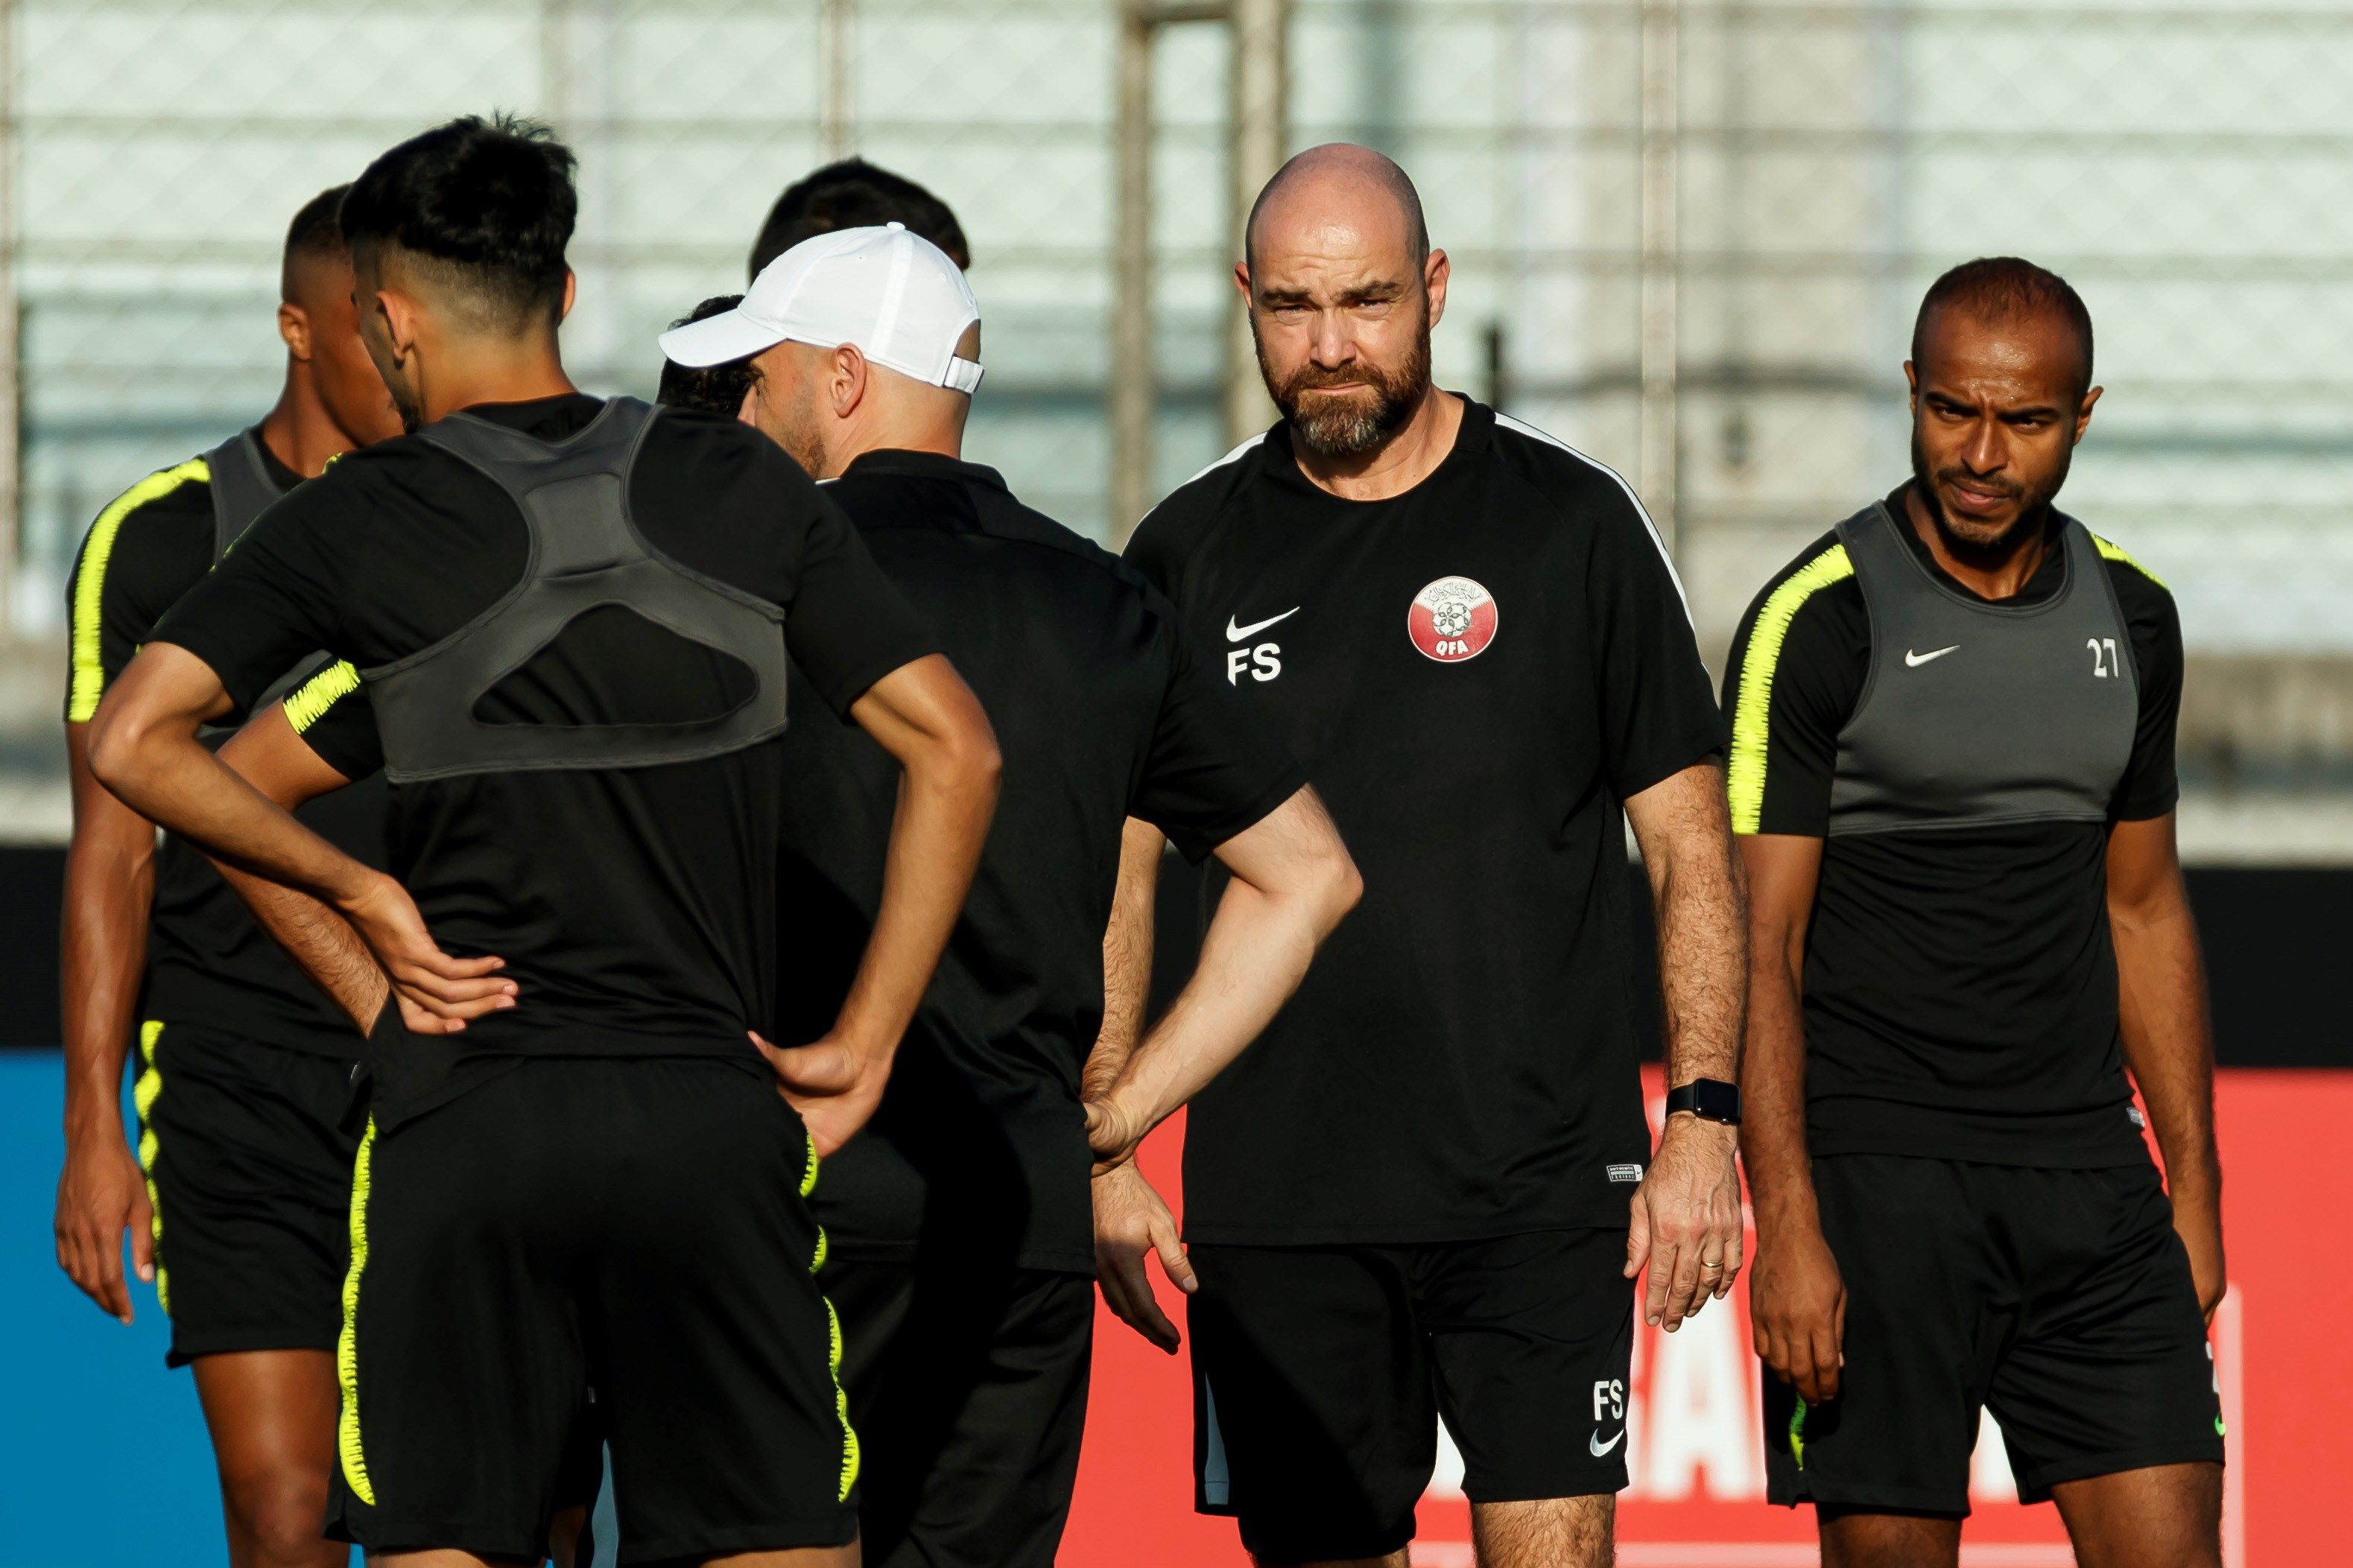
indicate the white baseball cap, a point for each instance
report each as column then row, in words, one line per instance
column 893, row 294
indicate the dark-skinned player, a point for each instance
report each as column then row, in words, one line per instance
column 565, row 622
column 245, row 1069
column 1952, row 774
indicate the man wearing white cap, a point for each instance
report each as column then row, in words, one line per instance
column 959, row 1246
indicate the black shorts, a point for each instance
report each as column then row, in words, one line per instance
column 2060, row 1300
column 636, row 1226
column 968, row 1384
column 1319, row 1375
column 248, row 1149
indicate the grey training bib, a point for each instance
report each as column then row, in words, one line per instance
column 585, row 553
column 1977, row 713
column 242, row 491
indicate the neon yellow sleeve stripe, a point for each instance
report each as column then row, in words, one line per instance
column 89, row 582
column 308, row 703
column 2116, row 553
column 1744, row 775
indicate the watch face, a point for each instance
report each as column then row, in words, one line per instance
column 1711, row 1097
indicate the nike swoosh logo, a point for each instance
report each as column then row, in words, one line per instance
column 1601, row 1449
column 1236, row 634
column 1914, row 661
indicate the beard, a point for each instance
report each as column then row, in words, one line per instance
column 412, row 413
column 1351, row 424
column 782, row 406
column 405, row 401
column 1966, row 538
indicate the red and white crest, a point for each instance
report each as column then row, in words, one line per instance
column 1452, row 619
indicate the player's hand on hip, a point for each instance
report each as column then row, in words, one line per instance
column 1797, row 1308
column 430, row 984
column 831, row 1083
column 1131, row 1223
column 1687, row 1221
column 101, row 1193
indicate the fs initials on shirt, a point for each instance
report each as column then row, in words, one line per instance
column 1262, row 661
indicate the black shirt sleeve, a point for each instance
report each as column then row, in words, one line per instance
column 1216, row 766
column 1795, row 673
column 1149, row 551
column 1657, row 705
column 147, row 548
column 2150, row 786
column 847, row 626
column 1164, row 540
column 331, row 713
column 277, row 597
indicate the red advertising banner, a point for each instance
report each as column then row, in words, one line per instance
column 2283, row 1354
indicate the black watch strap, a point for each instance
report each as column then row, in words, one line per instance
column 1708, row 1098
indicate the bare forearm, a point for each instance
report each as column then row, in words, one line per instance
column 1292, row 882
column 1699, row 891
column 173, row 780
column 1773, row 1095
column 108, row 894
column 935, row 838
column 1783, row 874
column 2168, row 1040
column 1254, row 956
column 319, row 939
column 1701, row 953
column 1127, row 957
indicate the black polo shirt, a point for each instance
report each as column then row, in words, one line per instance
column 634, row 906
column 1476, row 674
column 1104, row 708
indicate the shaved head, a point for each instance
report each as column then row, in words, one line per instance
column 2004, row 290
column 1341, row 180
column 1343, row 289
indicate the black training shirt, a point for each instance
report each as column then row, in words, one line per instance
column 208, row 963
column 1475, row 674
column 1960, row 983
column 1104, row 708
column 634, row 906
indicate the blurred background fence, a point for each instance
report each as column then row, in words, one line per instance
column 1687, row 237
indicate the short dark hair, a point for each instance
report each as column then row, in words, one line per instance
column 712, row 389
column 2000, row 286
column 854, row 194
column 315, row 233
column 316, row 230
column 486, row 204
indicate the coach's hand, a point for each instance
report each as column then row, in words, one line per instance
column 1112, row 1133
column 1797, row 1307
column 101, row 1193
column 834, row 1086
column 1686, row 1220
column 431, row 984
column 1131, row 1222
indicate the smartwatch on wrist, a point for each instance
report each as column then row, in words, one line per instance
column 1710, row 1098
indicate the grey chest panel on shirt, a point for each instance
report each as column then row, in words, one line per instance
column 586, row 553
column 1976, row 712
column 242, row 491
column 242, row 488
